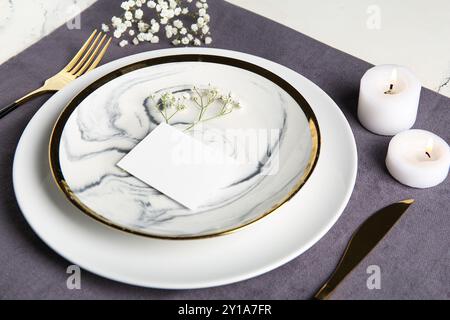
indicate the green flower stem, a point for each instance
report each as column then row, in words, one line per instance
column 173, row 114
column 162, row 113
column 216, row 116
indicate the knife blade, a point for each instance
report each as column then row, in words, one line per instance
column 362, row 242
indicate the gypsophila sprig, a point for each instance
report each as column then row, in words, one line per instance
column 182, row 22
column 202, row 99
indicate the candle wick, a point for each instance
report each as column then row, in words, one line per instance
column 428, row 154
column 391, row 86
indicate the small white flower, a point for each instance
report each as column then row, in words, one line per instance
column 167, row 13
column 213, row 91
column 180, row 106
column 155, row 27
column 164, row 4
column 142, row 26
column 141, row 36
column 185, row 40
column 122, row 27
column 228, row 108
column 167, row 98
column 124, row 5
column 116, row 21
column 138, row 14
column 128, row 15
column 172, row 4
column 148, row 36
column 105, row 27
column 178, row 24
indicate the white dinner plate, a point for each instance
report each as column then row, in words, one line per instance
column 263, row 246
column 112, row 115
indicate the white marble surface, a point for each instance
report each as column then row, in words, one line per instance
column 413, row 33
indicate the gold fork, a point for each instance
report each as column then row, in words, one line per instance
column 86, row 59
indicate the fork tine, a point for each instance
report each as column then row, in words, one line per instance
column 100, row 56
column 80, row 52
column 91, row 57
column 86, row 55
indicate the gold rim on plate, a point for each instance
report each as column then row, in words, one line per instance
column 55, row 166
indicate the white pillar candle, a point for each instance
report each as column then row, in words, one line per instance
column 418, row 158
column 388, row 99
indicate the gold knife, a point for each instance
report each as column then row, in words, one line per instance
column 362, row 242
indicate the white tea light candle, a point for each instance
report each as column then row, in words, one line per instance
column 388, row 99
column 418, row 158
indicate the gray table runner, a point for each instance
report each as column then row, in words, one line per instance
column 414, row 258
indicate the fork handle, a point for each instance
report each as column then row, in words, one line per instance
column 5, row 110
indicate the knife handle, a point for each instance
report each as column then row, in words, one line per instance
column 328, row 288
column 323, row 293
column 364, row 239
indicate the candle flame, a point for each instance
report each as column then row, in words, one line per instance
column 392, row 82
column 429, row 146
column 394, row 76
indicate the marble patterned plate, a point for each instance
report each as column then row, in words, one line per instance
column 187, row 264
column 110, row 116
